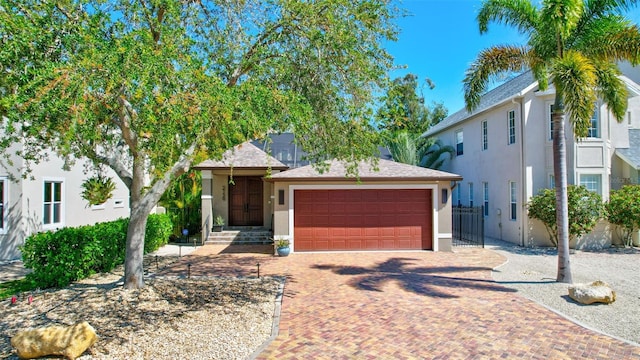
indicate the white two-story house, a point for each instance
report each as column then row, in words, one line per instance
column 49, row 199
column 504, row 153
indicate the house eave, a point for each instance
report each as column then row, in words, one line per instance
column 362, row 179
column 627, row 160
column 474, row 114
column 229, row 168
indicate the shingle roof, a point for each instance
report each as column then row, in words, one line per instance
column 387, row 170
column 245, row 155
column 632, row 154
column 501, row 93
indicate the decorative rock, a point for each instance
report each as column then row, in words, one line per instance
column 67, row 341
column 597, row 291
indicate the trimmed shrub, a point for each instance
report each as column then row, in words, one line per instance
column 69, row 254
column 623, row 209
column 585, row 209
column 159, row 228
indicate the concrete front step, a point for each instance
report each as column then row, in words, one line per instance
column 248, row 237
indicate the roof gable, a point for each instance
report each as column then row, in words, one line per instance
column 631, row 155
column 245, row 155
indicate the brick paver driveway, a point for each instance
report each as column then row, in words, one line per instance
column 408, row 305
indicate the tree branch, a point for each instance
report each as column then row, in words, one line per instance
column 127, row 113
column 159, row 187
column 243, row 66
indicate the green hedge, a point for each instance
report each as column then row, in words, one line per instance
column 60, row 257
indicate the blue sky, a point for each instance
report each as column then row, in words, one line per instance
column 439, row 41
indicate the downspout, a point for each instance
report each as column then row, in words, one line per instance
column 523, row 171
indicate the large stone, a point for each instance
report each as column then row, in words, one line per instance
column 67, row 341
column 595, row 292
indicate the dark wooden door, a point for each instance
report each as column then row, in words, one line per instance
column 245, row 205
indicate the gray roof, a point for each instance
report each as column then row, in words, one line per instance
column 387, row 170
column 632, row 154
column 246, row 156
column 493, row 97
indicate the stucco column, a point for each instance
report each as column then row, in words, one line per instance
column 207, row 204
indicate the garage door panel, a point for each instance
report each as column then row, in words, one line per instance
column 354, row 244
column 321, row 233
column 372, row 232
column 362, row 219
column 372, row 244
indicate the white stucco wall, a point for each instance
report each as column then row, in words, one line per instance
column 529, row 162
column 26, row 203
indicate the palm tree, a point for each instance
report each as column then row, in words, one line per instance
column 574, row 45
column 413, row 149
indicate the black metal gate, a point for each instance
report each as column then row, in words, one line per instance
column 468, row 226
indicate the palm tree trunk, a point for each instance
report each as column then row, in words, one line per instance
column 562, row 204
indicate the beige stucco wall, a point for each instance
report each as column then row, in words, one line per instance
column 215, row 196
column 442, row 216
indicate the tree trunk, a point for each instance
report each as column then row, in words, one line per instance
column 562, row 204
column 133, row 264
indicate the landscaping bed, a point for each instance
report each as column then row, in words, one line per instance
column 204, row 318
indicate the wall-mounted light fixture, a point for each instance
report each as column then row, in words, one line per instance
column 223, row 192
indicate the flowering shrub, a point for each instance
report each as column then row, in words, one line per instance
column 585, row 209
column 623, row 209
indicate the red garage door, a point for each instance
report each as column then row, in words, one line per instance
column 362, row 219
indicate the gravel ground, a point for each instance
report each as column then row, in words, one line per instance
column 532, row 271
column 171, row 318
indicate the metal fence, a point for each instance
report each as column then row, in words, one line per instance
column 468, row 226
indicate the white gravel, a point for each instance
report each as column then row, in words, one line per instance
column 532, row 272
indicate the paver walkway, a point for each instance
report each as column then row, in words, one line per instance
column 407, row 305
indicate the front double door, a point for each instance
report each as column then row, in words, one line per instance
column 245, row 205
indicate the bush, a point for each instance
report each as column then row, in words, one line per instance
column 159, row 228
column 585, row 209
column 60, row 257
column 623, row 209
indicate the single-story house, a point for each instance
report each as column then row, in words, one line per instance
column 393, row 207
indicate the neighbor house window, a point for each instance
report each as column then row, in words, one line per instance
column 593, row 182
column 52, row 214
column 284, row 155
column 550, row 121
column 471, row 194
column 513, row 199
column 485, row 197
column 485, row 136
column 552, row 181
column 594, row 125
column 459, row 143
column 3, row 202
column 457, row 196
column 512, row 127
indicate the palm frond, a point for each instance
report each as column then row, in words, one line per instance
column 611, row 88
column 518, row 13
column 616, row 43
column 609, row 37
column 402, row 146
column 598, row 7
column 560, row 17
column 434, row 157
column 491, row 62
column 574, row 77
